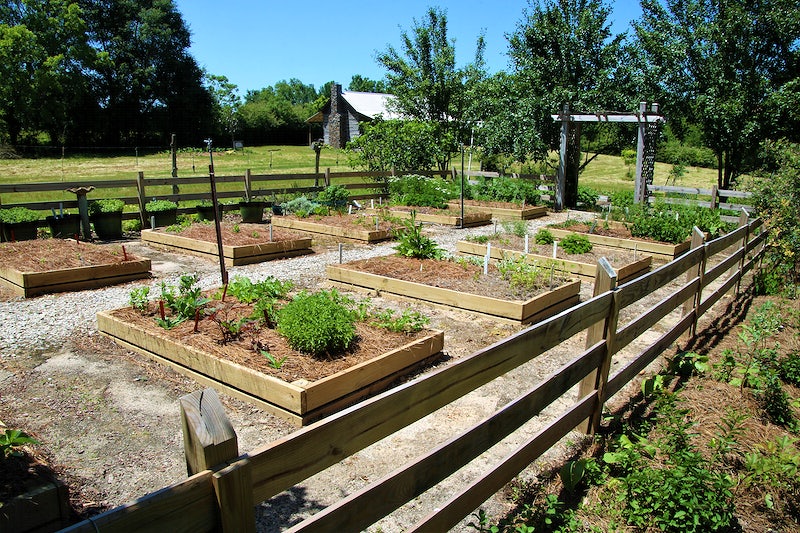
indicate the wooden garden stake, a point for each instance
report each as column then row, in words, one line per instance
column 196, row 319
column 124, row 253
column 161, row 309
column 526, row 243
column 340, row 253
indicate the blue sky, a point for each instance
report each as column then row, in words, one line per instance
column 258, row 43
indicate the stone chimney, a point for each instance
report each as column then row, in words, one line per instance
column 335, row 119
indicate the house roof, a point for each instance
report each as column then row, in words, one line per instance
column 369, row 105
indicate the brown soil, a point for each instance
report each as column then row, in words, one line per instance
column 236, row 234
column 355, row 221
column 447, row 274
column 42, row 255
column 246, row 350
column 613, row 230
column 616, row 256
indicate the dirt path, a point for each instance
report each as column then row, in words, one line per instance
column 109, row 419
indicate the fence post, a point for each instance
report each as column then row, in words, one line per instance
column 208, row 437
column 744, row 220
column 714, row 197
column 142, row 197
column 233, row 486
column 693, row 304
column 328, row 177
column 248, row 185
column 605, row 280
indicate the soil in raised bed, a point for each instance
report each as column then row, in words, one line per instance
column 235, row 234
column 613, row 230
column 616, row 256
column 477, row 204
column 42, row 255
column 370, row 342
column 463, row 276
column 355, row 221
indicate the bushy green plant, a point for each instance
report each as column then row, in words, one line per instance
column 518, row 228
column 420, row 191
column 11, row 440
column 588, row 196
column 158, row 206
column 543, row 236
column 335, row 196
column 185, row 299
column 244, row 290
column 505, row 189
column 411, row 242
column 300, row 206
column 139, row 299
column 318, row 324
column 407, row 322
column 576, row 243
column 658, row 223
column 106, row 205
column 13, row 215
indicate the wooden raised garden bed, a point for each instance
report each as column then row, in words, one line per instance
column 250, row 244
column 626, row 271
column 355, row 227
column 501, row 210
column 658, row 249
column 447, row 217
column 41, row 266
column 300, row 401
column 45, row 507
column 523, row 311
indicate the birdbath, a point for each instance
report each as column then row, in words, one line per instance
column 83, row 208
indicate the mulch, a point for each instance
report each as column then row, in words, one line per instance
column 42, row 255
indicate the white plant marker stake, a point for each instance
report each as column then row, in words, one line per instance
column 555, row 249
column 340, row 253
column 350, row 209
column 486, row 258
column 377, row 224
column 526, row 243
column 270, row 230
column 372, row 203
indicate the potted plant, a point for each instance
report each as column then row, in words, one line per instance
column 106, row 215
column 252, row 209
column 64, row 225
column 164, row 212
column 205, row 211
column 19, row 223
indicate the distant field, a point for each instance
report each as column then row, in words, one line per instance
column 605, row 173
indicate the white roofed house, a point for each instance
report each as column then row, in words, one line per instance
column 340, row 116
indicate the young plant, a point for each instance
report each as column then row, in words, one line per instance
column 273, row 361
column 11, row 442
column 543, row 236
column 413, row 243
column 318, row 324
column 187, row 300
column 575, row 243
column 407, row 322
column 139, row 299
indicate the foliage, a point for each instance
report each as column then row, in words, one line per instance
column 518, row 228
column 186, row 299
column 11, row 440
column 524, row 276
column 402, row 145
column 273, row 361
column 505, row 189
column 106, row 205
column 659, row 225
column 300, row 206
column 407, row 322
column 157, row 206
column 576, row 243
column 139, row 299
column 588, row 196
column 336, row 196
column 544, row 236
column 411, row 242
column 318, row 323
column 421, row 191
column 12, row 215
column 426, row 83
column 244, row 290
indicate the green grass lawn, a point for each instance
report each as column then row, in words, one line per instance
column 605, row 173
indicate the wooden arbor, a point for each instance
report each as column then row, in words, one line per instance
column 570, row 147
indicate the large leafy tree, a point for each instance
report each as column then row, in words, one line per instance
column 363, row 84
column 562, row 52
column 147, row 82
column 426, row 81
column 722, row 64
column 43, row 55
column 277, row 115
column 226, row 104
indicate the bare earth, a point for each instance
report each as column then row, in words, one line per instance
column 109, row 422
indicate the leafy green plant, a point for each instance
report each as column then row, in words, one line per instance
column 157, row 206
column 518, row 228
column 789, row 368
column 335, row 196
column 318, row 324
column 421, row 191
column 139, row 299
column 15, row 215
column 231, row 327
column 588, row 196
column 273, row 361
column 300, row 206
column 479, row 239
column 506, row 189
column 106, row 205
column 244, row 290
column 407, row 322
column 543, row 236
column 411, row 242
column 185, row 299
column 11, row 440
column 576, row 243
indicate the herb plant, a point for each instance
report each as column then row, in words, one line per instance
column 413, row 243
column 11, row 440
column 106, row 205
column 13, row 215
column 157, row 206
column 318, row 324
column 575, row 243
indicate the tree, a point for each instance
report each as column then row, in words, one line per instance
column 226, row 103
column 43, row 56
column 402, row 145
column 718, row 64
column 363, row 84
column 426, row 82
column 563, row 52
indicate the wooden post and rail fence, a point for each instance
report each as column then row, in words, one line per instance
column 715, row 198
column 224, row 485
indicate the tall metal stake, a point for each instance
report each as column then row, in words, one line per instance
column 223, row 272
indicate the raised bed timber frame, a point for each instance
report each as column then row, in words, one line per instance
column 624, row 272
column 225, row 484
column 358, row 234
column 470, row 219
column 299, row 402
column 45, row 507
column 658, row 249
column 505, row 213
column 522, row 311
column 234, row 255
column 73, row 279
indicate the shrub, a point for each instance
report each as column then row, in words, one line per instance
column 575, row 243
column 543, row 236
column 420, row 191
column 14, row 215
column 588, row 196
column 106, row 205
column 412, row 242
column 157, row 206
column 336, row 196
column 318, row 324
column 505, row 189
column 300, row 206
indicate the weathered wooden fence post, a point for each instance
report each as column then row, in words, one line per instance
column 248, row 185
column 744, row 219
column 605, row 280
column 714, row 204
column 693, row 304
column 142, row 198
column 210, row 443
column 328, row 177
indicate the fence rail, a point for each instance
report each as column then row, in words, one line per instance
column 714, row 194
column 221, row 493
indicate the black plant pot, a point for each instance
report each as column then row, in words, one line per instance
column 19, row 231
column 164, row 218
column 252, row 212
column 206, row 212
column 65, row 226
column 277, row 209
column 108, row 225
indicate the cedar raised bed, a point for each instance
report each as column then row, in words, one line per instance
column 98, row 266
column 284, row 244
column 625, row 272
column 299, row 401
column 344, row 226
column 45, row 507
column 659, row 249
column 446, row 217
column 502, row 210
column 522, row 311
